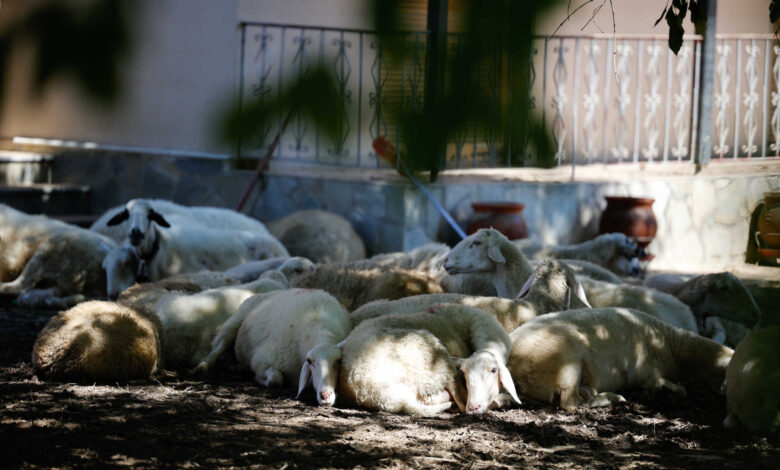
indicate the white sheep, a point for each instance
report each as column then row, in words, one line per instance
column 355, row 287
column 288, row 334
column 181, row 249
column 586, row 268
column 251, row 270
column 490, row 253
column 98, row 341
column 614, row 251
column 429, row 259
column 321, row 236
column 106, row 341
column 133, row 220
column 147, row 293
column 411, row 363
column 719, row 301
column 189, row 322
column 585, row 356
column 664, row 307
column 49, row 263
column 753, row 382
column 549, row 289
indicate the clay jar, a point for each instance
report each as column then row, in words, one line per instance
column 769, row 221
column 506, row 217
column 630, row 215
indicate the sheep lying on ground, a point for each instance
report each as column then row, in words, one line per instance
column 429, row 259
column 189, row 323
column 408, row 363
column 662, row 306
column 753, row 382
column 549, row 290
column 321, row 236
column 134, row 220
column 585, row 356
column 183, row 249
column 719, row 295
column 355, row 287
column 106, row 341
column 490, row 253
column 588, row 269
column 50, row 263
column 614, row 251
column 252, row 270
column 288, row 334
column 98, row 342
column 148, row 293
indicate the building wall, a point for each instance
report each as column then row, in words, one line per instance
column 702, row 219
column 185, row 66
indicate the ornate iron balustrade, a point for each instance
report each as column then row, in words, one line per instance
column 602, row 98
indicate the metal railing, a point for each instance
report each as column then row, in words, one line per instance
column 602, row 98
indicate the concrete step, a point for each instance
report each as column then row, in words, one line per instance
column 68, row 202
column 25, row 167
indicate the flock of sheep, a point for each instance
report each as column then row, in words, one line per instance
column 473, row 327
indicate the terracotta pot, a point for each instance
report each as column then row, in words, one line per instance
column 630, row 215
column 769, row 220
column 506, row 217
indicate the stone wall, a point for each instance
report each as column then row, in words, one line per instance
column 702, row 218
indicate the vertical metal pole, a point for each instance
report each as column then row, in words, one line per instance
column 434, row 73
column 767, row 51
column 360, row 97
column 640, row 80
column 707, row 67
column 243, row 27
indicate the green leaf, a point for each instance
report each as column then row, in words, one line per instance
column 676, row 31
column 774, row 11
column 699, row 15
column 663, row 13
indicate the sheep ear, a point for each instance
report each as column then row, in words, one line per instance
column 119, row 218
column 527, row 286
column 458, row 361
column 505, row 379
column 581, row 295
column 157, row 217
column 494, row 251
column 105, row 245
column 305, row 378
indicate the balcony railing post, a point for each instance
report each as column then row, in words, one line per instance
column 706, row 89
column 435, row 72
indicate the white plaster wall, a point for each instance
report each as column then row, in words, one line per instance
column 638, row 16
column 183, row 71
column 185, row 67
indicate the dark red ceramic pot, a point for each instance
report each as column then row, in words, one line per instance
column 630, row 215
column 506, row 217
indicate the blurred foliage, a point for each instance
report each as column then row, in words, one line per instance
column 315, row 96
column 85, row 42
column 490, row 27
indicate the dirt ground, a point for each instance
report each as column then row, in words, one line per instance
column 229, row 421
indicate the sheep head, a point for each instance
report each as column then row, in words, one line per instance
column 140, row 215
column 485, row 374
column 296, row 266
column 724, row 295
column 121, row 267
column 321, row 369
column 477, row 253
column 624, row 254
column 555, row 280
